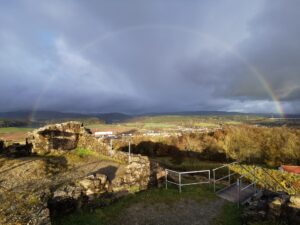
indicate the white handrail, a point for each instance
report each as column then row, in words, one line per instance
column 226, row 176
column 240, row 185
column 180, row 184
column 225, row 165
column 173, row 171
column 196, row 171
column 244, row 188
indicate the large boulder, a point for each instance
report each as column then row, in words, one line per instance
column 62, row 136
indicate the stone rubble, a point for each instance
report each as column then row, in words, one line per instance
column 273, row 206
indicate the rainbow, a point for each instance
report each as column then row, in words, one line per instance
column 269, row 90
column 265, row 84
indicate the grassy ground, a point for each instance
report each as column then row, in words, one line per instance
column 112, row 214
column 80, row 155
column 17, row 134
column 229, row 214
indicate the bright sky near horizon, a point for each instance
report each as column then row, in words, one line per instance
column 140, row 56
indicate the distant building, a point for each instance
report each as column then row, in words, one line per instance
column 103, row 134
column 291, row 169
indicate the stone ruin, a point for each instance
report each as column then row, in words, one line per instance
column 15, row 149
column 64, row 136
column 138, row 173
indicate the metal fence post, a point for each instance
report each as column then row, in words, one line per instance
column 214, row 174
column 166, row 179
column 229, row 180
column 209, row 179
column 238, row 192
column 180, row 182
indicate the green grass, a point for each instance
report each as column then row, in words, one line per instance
column 82, row 152
column 85, row 154
column 107, row 215
column 205, row 124
column 230, row 215
column 6, row 130
column 158, row 125
column 233, row 122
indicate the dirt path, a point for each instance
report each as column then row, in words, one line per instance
column 183, row 212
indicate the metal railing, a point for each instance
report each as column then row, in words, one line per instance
column 215, row 180
column 180, row 180
column 240, row 184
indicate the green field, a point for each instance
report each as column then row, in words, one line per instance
column 6, row 130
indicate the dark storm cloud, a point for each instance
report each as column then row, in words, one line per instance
column 141, row 56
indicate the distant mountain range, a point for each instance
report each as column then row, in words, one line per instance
column 41, row 116
column 221, row 113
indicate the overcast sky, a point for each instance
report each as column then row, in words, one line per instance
column 150, row 56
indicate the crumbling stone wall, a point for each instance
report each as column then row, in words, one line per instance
column 97, row 189
column 137, row 173
column 78, row 194
column 88, row 141
column 68, row 136
column 64, row 136
column 2, row 146
column 12, row 149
